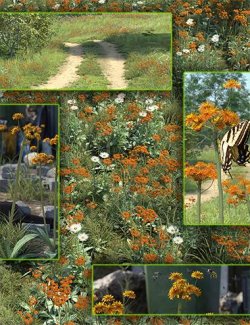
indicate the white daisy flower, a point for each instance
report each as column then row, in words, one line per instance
column 201, row 48
column 172, row 230
column 190, row 22
column 74, row 108
column 95, row 159
column 215, row 38
column 104, row 155
column 178, row 240
column 75, row 228
column 71, row 101
column 143, row 114
column 179, row 53
column 149, row 101
column 152, row 108
column 186, row 51
column 82, row 236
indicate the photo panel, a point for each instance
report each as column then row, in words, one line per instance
column 29, row 181
column 216, row 148
column 170, row 290
column 86, row 51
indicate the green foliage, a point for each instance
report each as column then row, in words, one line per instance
column 13, row 290
column 23, row 33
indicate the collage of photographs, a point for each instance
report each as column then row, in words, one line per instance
column 124, row 162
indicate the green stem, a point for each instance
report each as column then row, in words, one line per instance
column 16, row 187
column 219, row 179
column 41, row 199
column 179, row 308
column 199, row 203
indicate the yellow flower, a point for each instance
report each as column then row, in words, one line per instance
column 129, row 294
column 15, row 130
column 197, row 275
column 175, row 276
column 3, row 127
column 17, row 116
column 108, row 298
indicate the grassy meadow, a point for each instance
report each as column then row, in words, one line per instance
column 144, row 40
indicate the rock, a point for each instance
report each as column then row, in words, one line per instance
column 116, row 282
column 4, row 185
column 49, row 211
column 51, row 173
column 23, row 207
column 44, row 170
column 20, row 216
column 28, row 159
column 8, row 171
column 49, row 183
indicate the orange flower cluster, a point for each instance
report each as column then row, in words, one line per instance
column 43, row 159
column 232, row 84
column 181, row 288
column 201, row 171
column 209, row 113
column 60, row 292
column 109, row 305
column 147, row 215
column 27, row 318
column 235, row 245
column 32, row 132
column 238, row 190
column 82, row 303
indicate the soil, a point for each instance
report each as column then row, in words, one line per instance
column 68, row 72
column 113, row 65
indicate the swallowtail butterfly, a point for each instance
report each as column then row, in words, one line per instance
column 234, row 146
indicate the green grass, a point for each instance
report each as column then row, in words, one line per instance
column 91, row 76
column 143, row 39
column 238, row 215
column 28, row 71
column 14, row 290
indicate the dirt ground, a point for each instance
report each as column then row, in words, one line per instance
column 113, row 65
column 68, row 72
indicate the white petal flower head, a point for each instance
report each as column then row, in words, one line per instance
column 215, row 38
column 104, row 155
column 101, row 2
column 71, row 102
column 82, row 236
column 172, row 230
column 95, row 159
column 178, row 240
column 121, row 95
column 179, row 53
column 149, row 101
column 143, row 114
column 186, row 51
column 152, row 108
column 74, row 108
column 201, row 48
column 75, row 228
column 190, row 22
column 119, row 100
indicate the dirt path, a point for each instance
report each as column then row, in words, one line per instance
column 68, row 72
column 211, row 193
column 113, row 65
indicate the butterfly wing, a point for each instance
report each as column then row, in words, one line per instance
column 234, row 146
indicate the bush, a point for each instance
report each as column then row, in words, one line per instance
column 22, row 33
